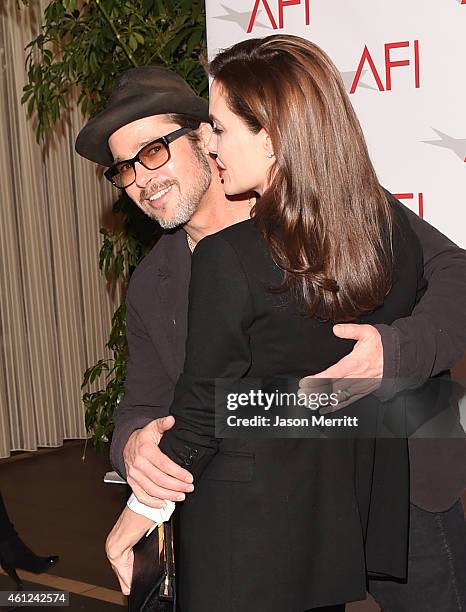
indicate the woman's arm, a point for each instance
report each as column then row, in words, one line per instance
column 217, row 347
column 127, row 531
column 220, row 312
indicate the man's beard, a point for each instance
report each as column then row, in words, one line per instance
column 187, row 202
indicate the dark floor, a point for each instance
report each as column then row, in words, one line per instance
column 60, row 505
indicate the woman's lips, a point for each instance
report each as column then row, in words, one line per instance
column 221, row 169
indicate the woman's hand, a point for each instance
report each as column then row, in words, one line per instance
column 122, row 565
column 127, row 531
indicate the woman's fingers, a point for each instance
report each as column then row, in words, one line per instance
column 123, row 568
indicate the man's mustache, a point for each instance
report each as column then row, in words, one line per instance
column 155, row 187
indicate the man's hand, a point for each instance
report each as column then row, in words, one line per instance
column 153, row 476
column 365, row 362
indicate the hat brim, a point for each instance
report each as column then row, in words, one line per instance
column 92, row 140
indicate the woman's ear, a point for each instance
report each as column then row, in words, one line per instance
column 205, row 133
column 268, row 147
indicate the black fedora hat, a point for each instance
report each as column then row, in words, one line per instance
column 138, row 92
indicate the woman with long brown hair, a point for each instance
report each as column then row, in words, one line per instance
column 291, row 524
column 322, row 183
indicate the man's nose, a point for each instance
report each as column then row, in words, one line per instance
column 143, row 175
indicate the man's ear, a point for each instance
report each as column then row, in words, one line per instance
column 205, row 132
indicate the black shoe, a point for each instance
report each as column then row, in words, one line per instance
column 14, row 554
column 11, row 571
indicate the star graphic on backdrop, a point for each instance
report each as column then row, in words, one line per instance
column 457, row 145
column 242, row 19
column 348, row 78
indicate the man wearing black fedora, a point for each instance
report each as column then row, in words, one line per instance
column 152, row 137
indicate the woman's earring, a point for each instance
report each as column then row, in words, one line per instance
column 270, row 155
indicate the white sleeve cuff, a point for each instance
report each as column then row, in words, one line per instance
column 158, row 515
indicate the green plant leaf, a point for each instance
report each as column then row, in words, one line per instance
column 194, row 40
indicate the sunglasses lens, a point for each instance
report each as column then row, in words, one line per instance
column 154, row 155
column 124, row 175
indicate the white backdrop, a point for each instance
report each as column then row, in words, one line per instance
column 403, row 63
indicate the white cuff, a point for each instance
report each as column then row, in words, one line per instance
column 158, row 515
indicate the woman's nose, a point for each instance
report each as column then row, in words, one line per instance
column 212, row 144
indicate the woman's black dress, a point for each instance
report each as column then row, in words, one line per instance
column 279, row 525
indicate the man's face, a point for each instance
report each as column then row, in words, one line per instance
column 170, row 194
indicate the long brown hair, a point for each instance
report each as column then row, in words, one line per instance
column 324, row 213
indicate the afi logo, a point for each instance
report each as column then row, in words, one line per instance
column 366, row 58
column 413, row 196
column 281, row 5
